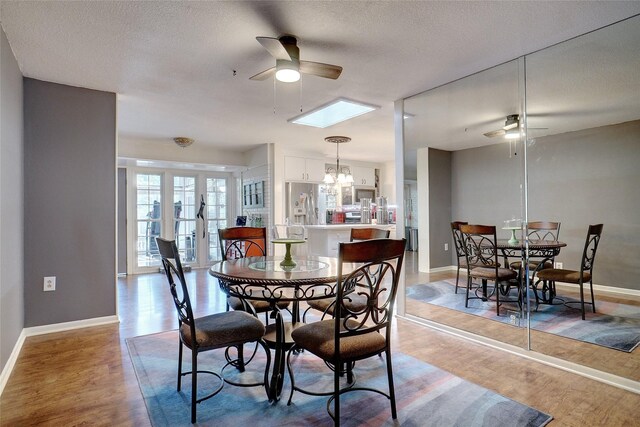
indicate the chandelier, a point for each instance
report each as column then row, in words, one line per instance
column 339, row 175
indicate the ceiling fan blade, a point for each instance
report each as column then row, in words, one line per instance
column 275, row 47
column 321, row 70
column 495, row 133
column 264, row 75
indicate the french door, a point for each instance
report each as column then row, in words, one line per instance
column 188, row 207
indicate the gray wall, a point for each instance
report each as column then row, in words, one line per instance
column 577, row 178
column 70, row 187
column 589, row 177
column 11, row 202
column 122, row 220
column 439, row 207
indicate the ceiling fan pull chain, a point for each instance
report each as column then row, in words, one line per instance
column 300, row 93
column 274, row 96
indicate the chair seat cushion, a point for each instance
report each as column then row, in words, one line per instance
column 490, row 273
column 318, row 338
column 259, row 305
column 354, row 302
column 223, row 329
column 532, row 265
column 560, row 275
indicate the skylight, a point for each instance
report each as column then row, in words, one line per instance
column 334, row 112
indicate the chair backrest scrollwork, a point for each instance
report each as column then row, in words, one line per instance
column 379, row 262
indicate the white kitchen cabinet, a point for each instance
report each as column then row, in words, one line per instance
column 363, row 176
column 303, row 170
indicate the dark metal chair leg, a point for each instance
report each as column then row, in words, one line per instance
column 240, row 366
column 593, row 301
column 179, row 364
column 457, row 278
column 582, row 299
column 392, row 392
column 194, row 384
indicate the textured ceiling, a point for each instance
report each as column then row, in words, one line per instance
column 172, row 63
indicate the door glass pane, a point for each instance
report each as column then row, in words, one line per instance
column 216, row 214
column 184, row 216
column 149, row 218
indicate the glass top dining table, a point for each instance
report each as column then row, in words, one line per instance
column 264, row 278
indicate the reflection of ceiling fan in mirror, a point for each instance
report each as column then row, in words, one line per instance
column 510, row 130
column 288, row 64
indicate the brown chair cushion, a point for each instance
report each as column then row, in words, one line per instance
column 559, row 275
column 490, row 273
column 318, row 338
column 223, row 329
column 259, row 305
column 532, row 265
column 354, row 302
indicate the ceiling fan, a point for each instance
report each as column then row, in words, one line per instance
column 288, row 64
column 510, row 130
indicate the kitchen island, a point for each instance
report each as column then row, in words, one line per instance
column 323, row 240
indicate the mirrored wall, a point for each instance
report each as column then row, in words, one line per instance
column 574, row 160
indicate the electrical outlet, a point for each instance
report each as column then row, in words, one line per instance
column 50, row 283
column 446, row 246
column 557, row 265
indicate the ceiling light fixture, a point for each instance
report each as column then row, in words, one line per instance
column 338, row 175
column 288, row 71
column 182, row 141
column 336, row 111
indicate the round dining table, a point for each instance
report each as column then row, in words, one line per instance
column 264, row 278
column 539, row 250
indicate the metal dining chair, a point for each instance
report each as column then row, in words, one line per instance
column 241, row 242
column 353, row 335
column 481, row 253
column 215, row 331
column 550, row 276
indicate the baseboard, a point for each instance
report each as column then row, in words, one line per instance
column 594, row 374
column 67, row 326
column 446, row 268
column 597, row 289
column 602, row 289
column 11, row 362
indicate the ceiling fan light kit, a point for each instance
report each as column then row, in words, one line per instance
column 288, row 65
column 287, row 71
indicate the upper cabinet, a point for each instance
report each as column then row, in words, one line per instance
column 363, row 176
column 303, row 170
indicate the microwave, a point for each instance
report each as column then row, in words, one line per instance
column 364, row 193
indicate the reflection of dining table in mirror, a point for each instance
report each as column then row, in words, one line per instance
column 540, row 250
column 264, row 278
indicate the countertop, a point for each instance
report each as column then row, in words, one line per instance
column 347, row 226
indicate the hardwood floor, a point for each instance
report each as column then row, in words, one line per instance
column 598, row 357
column 85, row 376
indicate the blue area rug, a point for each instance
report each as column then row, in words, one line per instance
column 425, row 395
column 615, row 325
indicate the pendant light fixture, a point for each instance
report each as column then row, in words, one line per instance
column 339, row 176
